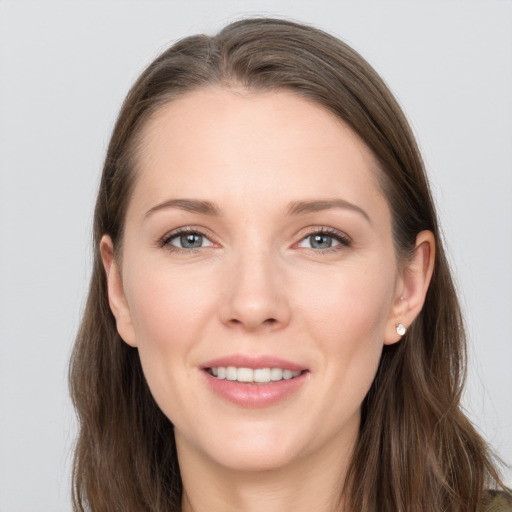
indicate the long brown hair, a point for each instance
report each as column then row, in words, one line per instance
column 416, row 451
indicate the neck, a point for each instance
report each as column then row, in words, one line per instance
column 314, row 482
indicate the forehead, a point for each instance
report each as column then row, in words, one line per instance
column 242, row 144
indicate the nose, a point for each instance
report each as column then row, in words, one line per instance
column 255, row 294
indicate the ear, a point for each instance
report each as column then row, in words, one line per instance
column 412, row 287
column 116, row 297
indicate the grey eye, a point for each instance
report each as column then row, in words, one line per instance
column 319, row 241
column 189, row 240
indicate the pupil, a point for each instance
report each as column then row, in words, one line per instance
column 191, row 240
column 321, row 241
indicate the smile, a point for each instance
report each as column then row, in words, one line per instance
column 252, row 375
column 255, row 381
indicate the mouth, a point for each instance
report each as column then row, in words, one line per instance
column 255, row 381
column 252, row 375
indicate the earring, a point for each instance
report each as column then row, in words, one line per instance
column 400, row 329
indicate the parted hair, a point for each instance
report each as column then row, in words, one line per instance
column 416, row 450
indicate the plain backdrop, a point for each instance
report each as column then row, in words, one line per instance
column 64, row 70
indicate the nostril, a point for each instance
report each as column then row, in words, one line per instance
column 268, row 321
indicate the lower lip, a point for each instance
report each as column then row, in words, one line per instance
column 255, row 395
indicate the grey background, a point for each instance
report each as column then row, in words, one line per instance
column 64, row 70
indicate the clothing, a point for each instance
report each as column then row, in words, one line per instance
column 499, row 501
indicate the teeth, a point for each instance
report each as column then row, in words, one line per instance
column 262, row 375
column 276, row 374
column 245, row 375
column 231, row 373
column 259, row 375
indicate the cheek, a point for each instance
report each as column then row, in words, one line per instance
column 348, row 303
column 167, row 315
column 166, row 307
column 347, row 314
column 168, row 312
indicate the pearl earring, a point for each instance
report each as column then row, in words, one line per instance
column 400, row 329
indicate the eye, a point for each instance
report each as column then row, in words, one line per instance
column 324, row 239
column 186, row 239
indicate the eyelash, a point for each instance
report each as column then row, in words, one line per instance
column 164, row 242
column 344, row 240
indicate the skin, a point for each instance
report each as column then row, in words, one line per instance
column 258, row 285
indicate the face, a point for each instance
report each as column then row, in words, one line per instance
column 257, row 247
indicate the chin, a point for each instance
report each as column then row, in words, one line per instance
column 246, row 448
column 255, row 459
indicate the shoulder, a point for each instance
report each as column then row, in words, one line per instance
column 498, row 501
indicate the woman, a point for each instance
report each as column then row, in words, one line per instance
column 271, row 322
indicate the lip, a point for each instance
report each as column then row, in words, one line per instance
column 243, row 361
column 252, row 395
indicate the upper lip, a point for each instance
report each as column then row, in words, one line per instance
column 245, row 361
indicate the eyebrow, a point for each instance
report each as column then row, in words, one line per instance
column 189, row 205
column 294, row 208
column 301, row 207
